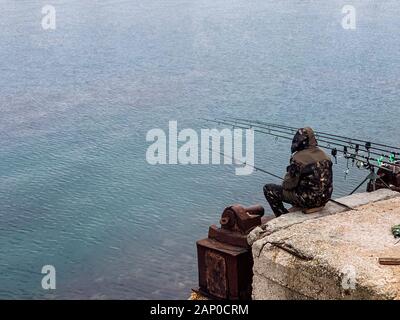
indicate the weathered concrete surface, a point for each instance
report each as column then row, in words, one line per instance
column 330, row 255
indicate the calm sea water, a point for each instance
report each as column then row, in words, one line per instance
column 76, row 103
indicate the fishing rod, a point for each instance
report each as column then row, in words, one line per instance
column 368, row 148
column 330, row 135
column 331, row 141
column 272, row 174
column 346, row 152
column 244, row 163
column 367, row 164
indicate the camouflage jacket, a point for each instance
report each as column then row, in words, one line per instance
column 309, row 174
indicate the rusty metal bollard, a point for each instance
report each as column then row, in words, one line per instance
column 225, row 261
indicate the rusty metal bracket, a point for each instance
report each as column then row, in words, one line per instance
column 225, row 260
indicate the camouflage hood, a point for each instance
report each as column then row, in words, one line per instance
column 303, row 139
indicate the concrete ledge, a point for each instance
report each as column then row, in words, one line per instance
column 292, row 218
column 332, row 254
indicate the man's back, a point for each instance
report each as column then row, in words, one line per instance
column 309, row 175
column 315, row 176
column 308, row 181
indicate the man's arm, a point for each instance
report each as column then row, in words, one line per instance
column 292, row 176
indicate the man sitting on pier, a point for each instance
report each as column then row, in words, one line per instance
column 308, row 181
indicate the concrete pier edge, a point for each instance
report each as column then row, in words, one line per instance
column 332, row 254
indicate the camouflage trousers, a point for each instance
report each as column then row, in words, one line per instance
column 276, row 196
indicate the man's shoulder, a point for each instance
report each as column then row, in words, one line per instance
column 310, row 155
